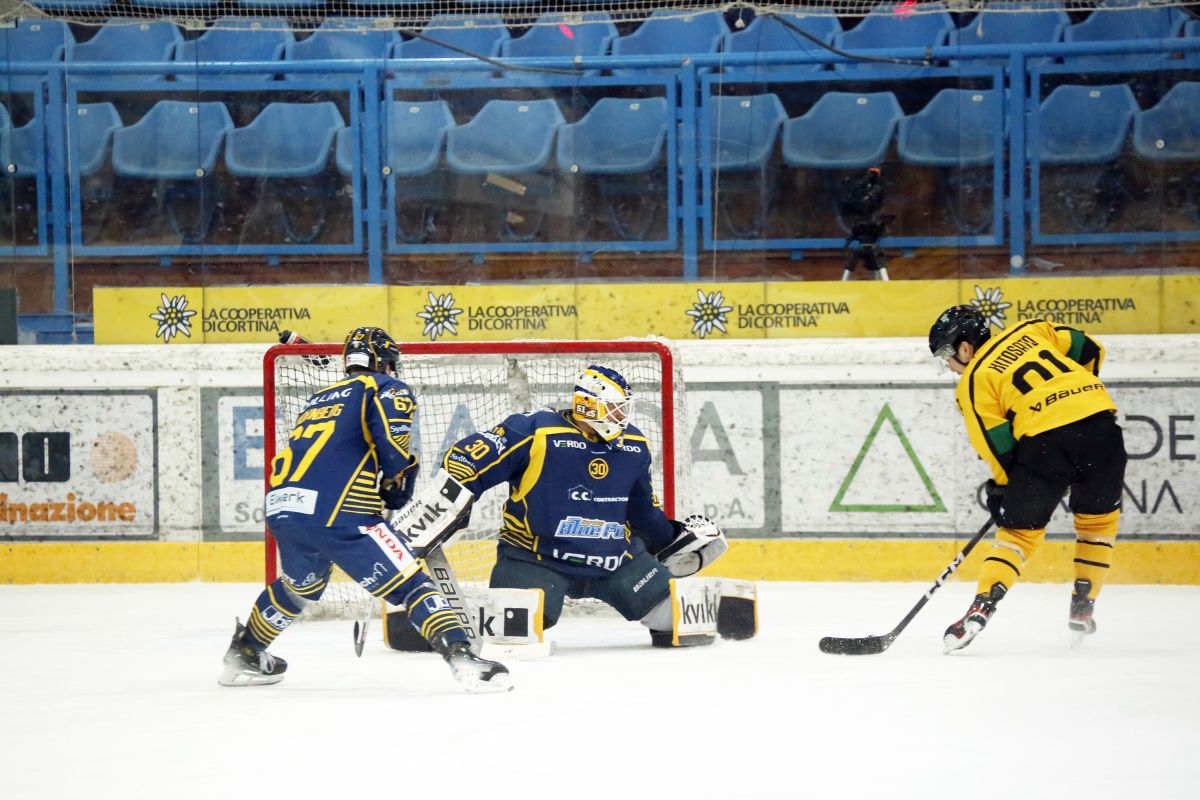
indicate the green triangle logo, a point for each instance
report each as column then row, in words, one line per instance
column 936, row 503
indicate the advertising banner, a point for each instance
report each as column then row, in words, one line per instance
column 683, row 311
column 78, row 465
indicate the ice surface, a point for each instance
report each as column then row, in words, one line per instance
column 110, row 691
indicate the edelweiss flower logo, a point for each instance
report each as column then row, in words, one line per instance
column 439, row 316
column 172, row 318
column 709, row 313
column 988, row 303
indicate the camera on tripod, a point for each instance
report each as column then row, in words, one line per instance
column 860, row 211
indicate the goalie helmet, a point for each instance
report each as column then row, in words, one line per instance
column 371, row 349
column 603, row 401
column 956, row 325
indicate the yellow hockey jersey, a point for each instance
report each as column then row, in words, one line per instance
column 1027, row 381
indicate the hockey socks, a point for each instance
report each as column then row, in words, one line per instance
column 431, row 614
column 1008, row 553
column 1095, row 535
column 274, row 610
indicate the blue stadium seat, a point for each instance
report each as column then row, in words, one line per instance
column 286, row 140
column 340, row 38
column 122, row 40
column 416, row 135
column 287, row 147
column 523, row 151
column 590, row 35
column 280, row 5
column 72, row 5
column 767, row 34
column 843, row 130
column 890, row 27
column 26, row 151
column 528, row 125
column 478, row 34
column 1170, row 131
column 1121, row 24
column 90, row 143
column 177, row 144
column 1043, row 23
column 34, row 40
column 955, row 129
column 95, row 124
column 955, row 132
column 5, row 137
column 1084, row 124
column 744, row 130
column 241, row 39
column 617, row 136
column 668, row 33
column 181, row 5
column 618, row 142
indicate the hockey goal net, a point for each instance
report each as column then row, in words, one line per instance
column 462, row 387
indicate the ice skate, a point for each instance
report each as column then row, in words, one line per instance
column 246, row 665
column 477, row 675
column 1082, row 607
column 963, row 632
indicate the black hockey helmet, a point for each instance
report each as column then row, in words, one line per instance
column 370, row 349
column 958, row 324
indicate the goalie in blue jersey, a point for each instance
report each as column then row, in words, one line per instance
column 348, row 457
column 581, row 519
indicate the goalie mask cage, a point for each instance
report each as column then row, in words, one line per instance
column 461, row 387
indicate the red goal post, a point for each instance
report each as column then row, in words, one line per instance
column 472, row 385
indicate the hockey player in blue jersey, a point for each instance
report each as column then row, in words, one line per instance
column 348, row 457
column 581, row 518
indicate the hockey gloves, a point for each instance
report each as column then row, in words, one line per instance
column 994, row 497
column 397, row 493
column 698, row 543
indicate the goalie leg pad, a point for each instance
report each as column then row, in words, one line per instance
column 695, row 603
column 635, row 588
column 737, row 616
column 509, row 618
column 517, row 573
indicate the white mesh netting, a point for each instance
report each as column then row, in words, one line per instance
column 431, row 14
column 461, row 389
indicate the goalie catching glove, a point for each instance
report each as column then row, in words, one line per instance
column 435, row 514
column 698, row 542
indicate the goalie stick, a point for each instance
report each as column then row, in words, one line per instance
column 872, row 645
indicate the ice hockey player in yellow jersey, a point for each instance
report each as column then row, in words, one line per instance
column 1038, row 414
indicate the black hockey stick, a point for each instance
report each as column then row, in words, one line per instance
column 871, row 645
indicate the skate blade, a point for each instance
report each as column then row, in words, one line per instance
column 475, row 684
column 237, row 677
column 950, row 643
column 1078, row 638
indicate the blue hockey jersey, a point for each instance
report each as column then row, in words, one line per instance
column 581, row 504
column 347, row 433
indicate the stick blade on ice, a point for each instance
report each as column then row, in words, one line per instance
column 865, row 646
